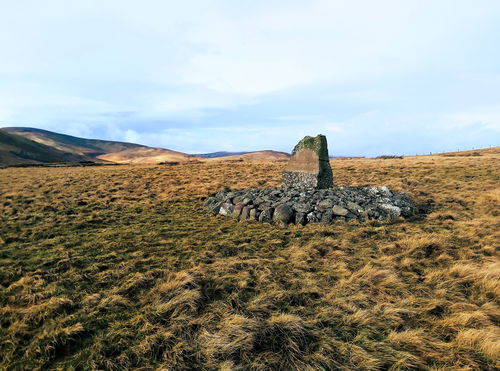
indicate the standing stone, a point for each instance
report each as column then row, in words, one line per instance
column 309, row 166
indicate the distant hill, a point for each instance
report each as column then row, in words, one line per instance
column 123, row 152
column 219, row 154
column 147, row 155
column 18, row 150
column 253, row 156
column 472, row 152
column 68, row 143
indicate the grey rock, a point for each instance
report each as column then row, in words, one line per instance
column 327, row 217
column 254, row 214
column 245, row 212
column 407, row 211
column 312, row 218
column 226, row 208
column 392, row 211
column 300, row 218
column 214, row 207
column 379, row 190
column 325, row 204
column 302, row 207
column 230, row 196
column 339, row 210
column 238, row 199
column 237, row 210
column 264, row 206
column 308, row 206
column 354, row 208
column 266, row 215
column 283, row 213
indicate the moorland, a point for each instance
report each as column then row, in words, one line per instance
column 121, row 268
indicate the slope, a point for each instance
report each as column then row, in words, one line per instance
column 219, row 154
column 147, row 155
column 68, row 143
column 18, row 150
column 253, row 156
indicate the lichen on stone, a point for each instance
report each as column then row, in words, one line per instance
column 316, row 144
column 309, row 166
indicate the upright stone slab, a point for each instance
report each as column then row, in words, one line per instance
column 309, row 166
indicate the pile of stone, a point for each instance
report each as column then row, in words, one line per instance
column 308, row 206
column 308, row 195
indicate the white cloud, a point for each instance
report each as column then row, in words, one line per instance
column 486, row 119
column 255, row 73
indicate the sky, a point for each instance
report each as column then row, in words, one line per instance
column 376, row 77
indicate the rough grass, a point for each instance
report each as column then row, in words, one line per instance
column 120, row 267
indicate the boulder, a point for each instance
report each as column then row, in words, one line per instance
column 254, row 214
column 339, row 211
column 245, row 212
column 300, row 218
column 213, row 205
column 312, row 218
column 302, row 207
column 237, row 210
column 325, row 204
column 266, row 215
column 226, row 208
column 283, row 213
column 327, row 217
column 309, row 166
column 393, row 212
column 354, row 208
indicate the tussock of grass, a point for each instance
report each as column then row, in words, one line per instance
column 119, row 268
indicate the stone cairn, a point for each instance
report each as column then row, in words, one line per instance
column 308, row 194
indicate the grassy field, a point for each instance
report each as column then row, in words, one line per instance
column 120, row 267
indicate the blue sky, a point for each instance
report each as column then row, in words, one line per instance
column 376, row 77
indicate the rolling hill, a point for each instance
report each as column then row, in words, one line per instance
column 120, row 152
column 18, row 150
column 147, row 155
column 253, row 156
column 98, row 150
column 69, row 143
column 219, row 154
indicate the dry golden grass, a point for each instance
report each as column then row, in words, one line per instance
column 120, row 267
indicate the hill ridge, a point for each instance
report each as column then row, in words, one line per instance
column 19, row 150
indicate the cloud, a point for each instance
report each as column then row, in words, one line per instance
column 385, row 76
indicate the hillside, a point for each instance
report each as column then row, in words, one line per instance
column 103, row 150
column 147, row 155
column 18, row 150
column 219, row 154
column 68, row 143
column 253, row 156
column 472, row 152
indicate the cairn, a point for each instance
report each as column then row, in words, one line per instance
column 308, row 195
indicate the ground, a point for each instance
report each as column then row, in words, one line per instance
column 120, row 267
